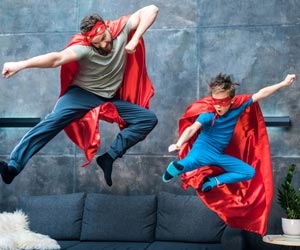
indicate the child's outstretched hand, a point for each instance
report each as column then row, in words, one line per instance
column 289, row 79
column 173, row 147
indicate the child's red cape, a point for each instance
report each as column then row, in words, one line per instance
column 247, row 204
column 136, row 88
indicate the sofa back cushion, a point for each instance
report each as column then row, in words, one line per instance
column 186, row 218
column 119, row 218
column 58, row 216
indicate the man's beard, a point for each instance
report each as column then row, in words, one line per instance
column 105, row 51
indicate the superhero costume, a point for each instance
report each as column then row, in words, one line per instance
column 136, row 88
column 247, row 204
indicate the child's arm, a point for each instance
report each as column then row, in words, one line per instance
column 267, row 91
column 185, row 136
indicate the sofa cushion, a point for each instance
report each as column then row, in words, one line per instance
column 58, row 216
column 119, row 218
column 113, row 245
column 171, row 245
column 185, row 218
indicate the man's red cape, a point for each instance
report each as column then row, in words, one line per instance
column 247, row 204
column 136, row 88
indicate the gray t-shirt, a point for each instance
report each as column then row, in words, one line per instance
column 102, row 75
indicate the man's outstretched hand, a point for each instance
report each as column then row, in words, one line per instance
column 10, row 68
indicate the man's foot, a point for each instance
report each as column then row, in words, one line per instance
column 7, row 174
column 209, row 184
column 173, row 170
column 105, row 162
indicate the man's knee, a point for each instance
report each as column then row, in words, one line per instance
column 154, row 119
column 151, row 120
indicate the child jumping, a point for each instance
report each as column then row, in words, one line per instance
column 217, row 128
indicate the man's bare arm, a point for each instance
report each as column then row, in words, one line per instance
column 50, row 60
column 141, row 20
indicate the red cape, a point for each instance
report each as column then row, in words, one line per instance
column 247, row 204
column 136, row 88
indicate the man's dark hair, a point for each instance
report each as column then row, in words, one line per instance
column 223, row 83
column 88, row 22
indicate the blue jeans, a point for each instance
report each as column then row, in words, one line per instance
column 74, row 104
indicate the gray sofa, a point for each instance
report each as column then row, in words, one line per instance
column 93, row 221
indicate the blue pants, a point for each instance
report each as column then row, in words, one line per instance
column 74, row 104
column 236, row 170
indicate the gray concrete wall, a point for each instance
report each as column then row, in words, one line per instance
column 192, row 40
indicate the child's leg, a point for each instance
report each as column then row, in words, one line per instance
column 176, row 168
column 236, row 170
column 173, row 170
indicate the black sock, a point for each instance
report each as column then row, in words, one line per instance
column 105, row 162
column 7, row 174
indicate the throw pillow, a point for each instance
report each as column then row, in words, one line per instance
column 15, row 234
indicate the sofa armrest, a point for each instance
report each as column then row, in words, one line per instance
column 233, row 239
